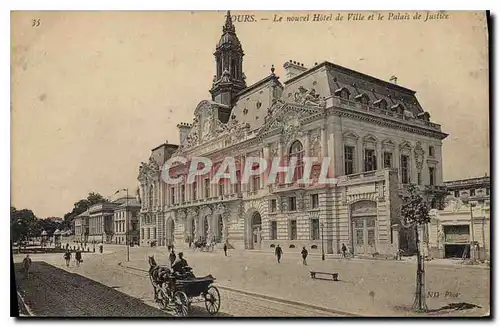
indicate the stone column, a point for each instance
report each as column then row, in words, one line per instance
column 397, row 161
column 281, row 156
column 360, row 157
column 380, row 156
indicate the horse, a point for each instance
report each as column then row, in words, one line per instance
column 158, row 275
column 200, row 245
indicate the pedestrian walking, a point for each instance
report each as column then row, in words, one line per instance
column 27, row 264
column 172, row 257
column 225, row 249
column 67, row 257
column 78, row 257
column 344, row 251
column 278, row 252
column 304, row 256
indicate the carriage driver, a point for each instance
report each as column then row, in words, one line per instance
column 179, row 264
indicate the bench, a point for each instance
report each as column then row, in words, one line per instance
column 335, row 276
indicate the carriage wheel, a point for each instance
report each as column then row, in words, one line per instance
column 212, row 300
column 181, row 304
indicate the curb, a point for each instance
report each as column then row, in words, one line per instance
column 267, row 297
column 277, row 299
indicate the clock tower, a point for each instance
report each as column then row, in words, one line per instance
column 229, row 78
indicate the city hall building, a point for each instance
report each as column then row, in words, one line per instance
column 375, row 133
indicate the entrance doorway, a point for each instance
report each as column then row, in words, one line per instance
column 205, row 228
column 220, row 230
column 364, row 226
column 364, row 234
column 170, row 232
column 256, row 230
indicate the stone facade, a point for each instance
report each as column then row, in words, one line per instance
column 374, row 135
column 467, row 210
column 126, row 212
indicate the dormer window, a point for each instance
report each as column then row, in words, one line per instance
column 343, row 92
column 362, row 98
column 380, row 103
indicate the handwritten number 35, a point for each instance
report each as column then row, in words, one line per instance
column 36, row 23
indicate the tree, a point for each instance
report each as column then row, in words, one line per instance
column 22, row 224
column 81, row 206
column 415, row 213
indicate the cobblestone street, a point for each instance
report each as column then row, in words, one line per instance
column 108, row 289
column 365, row 287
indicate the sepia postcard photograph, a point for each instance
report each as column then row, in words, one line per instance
column 179, row 164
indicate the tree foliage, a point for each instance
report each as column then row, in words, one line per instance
column 22, row 224
column 415, row 209
column 81, row 206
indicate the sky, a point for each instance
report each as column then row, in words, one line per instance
column 93, row 92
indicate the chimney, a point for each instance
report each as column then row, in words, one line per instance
column 293, row 68
column 184, row 129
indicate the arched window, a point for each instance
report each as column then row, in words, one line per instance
column 151, row 196
column 297, row 151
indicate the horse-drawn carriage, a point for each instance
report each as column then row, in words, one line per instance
column 178, row 292
column 204, row 245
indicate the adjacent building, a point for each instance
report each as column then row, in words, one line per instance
column 105, row 222
column 376, row 135
column 464, row 221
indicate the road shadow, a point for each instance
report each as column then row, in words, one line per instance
column 53, row 292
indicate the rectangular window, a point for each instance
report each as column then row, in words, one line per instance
column 256, row 183
column 142, row 233
column 183, row 193
column 293, row 229
column 292, row 203
column 221, row 188
column 195, row 194
column 457, row 194
column 487, row 191
column 154, row 233
column 387, row 160
column 472, row 192
column 207, row 188
column 405, row 169
column 237, row 186
column 431, row 176
column 431, row 151
column 419, row 178
column 370, row 160
column 273, row 205
column 274, row 230
column 172, row 195
column 315, row 229
column 349, row 159
column 314, row 201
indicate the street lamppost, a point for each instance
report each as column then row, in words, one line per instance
column 322, row 248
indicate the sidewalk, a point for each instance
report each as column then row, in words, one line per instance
column 451, row 263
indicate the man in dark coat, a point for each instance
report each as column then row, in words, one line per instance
column 78, row 257
column 225, row 249
column 278, row 252
column 67, row 257
column 172, row 257
column 304, row 256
